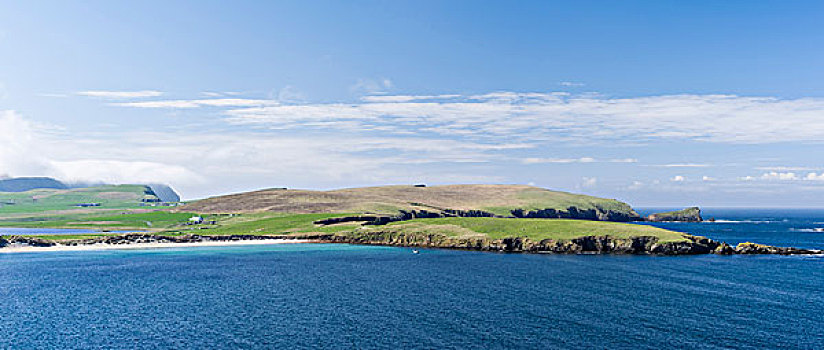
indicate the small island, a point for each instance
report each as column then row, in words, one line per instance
column 691, row 214
column 499, row 218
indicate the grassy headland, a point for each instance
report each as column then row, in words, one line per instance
column 281, row 212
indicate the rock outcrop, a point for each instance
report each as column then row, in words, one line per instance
column 597, row 214
column 692, row 214
column 646, row 245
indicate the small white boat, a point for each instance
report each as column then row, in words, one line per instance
column 415, row 251
column 818, row 229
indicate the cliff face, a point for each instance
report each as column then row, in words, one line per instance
column 581, row 245
column 164, row 193
column 692, row 214
column 598, row 214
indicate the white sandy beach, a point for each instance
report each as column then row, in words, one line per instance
column 103, row 246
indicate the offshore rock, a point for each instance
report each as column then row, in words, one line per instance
column 692, row 214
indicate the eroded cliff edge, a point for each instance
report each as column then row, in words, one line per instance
column 583, row 245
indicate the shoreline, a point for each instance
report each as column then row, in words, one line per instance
column 641, row 245
column 147, row 245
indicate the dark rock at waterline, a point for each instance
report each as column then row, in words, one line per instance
column 645, row 245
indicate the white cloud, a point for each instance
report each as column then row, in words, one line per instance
column 635, row 185
column 814, row 177
column 785, row 176
column 235, row 161
column 117, row 171
column 559, row 117
column 120, row 94
column 220, row 94
column 571, row 84
column 371, row 86
column 785, row 168
column 678, row 178
column 575, row 160
column 216, row 102
column 52, row 94
column 682, row 165
column 774, row 175
column 20, row 149
column 407, row 98
column 558, row 160
column 34, row 150
column 290, row 94
column 589, row 181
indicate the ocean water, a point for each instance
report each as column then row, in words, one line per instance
column 345, row 296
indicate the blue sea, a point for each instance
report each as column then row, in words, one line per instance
column 345, row 296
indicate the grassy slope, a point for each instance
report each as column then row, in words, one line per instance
column 115, row 196
column 535, row 229
column 498, row 199
column 298, row 224
column 128, row 220
column 494, row 228
column 272, row 212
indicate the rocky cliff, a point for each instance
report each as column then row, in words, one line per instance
column 597, row 213
column 692, row 214
column 582, row 245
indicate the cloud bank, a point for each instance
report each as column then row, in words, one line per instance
column 544, row 117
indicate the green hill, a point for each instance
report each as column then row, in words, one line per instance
column 441, row 216
column 22, row 184
column 45, row 200
column 499, row 200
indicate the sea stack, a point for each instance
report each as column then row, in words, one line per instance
column 692, row 214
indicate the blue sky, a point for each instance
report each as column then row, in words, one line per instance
column 653, row 102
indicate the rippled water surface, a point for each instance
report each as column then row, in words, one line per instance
column 342, row 296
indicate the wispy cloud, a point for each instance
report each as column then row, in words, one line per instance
column 784, row 176
column 571, row 84
column 814, row 177
column 217, row 102
column 252, row 159
column 576, row 160
column 119, row 95
column 785, row 168
column 773, row 175
column 371, row 86
column 52, row 94
column 682, row 165
column 551, row 117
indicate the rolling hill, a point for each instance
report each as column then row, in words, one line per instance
column 494, row 200
column 22, row 184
